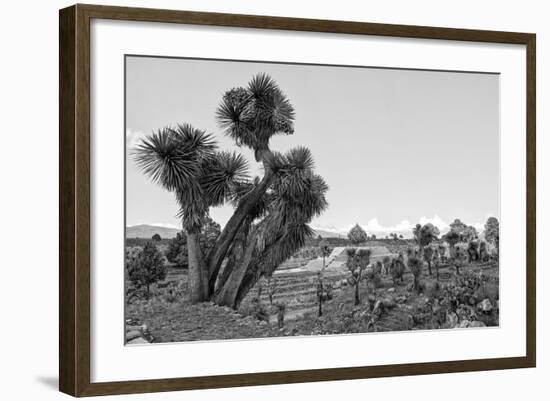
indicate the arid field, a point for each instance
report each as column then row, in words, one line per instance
column 288, row 303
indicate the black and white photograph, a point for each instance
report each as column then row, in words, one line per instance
column 264, row 200
column 270, row 199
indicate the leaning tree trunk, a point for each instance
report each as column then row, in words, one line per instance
column 218, row 253
column 197, row 278
column 227, row 295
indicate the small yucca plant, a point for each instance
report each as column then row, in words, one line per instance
column 357, row 262
column 415, row 266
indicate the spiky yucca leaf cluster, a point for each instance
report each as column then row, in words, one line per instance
column 252, row 115
column 357, row 258
column 172, row 157
column 225, row 175
column 185, row 160
column 283, row 213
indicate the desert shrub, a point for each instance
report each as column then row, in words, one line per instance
column 255, row 309
column 146, row 268
column 430, row 288
column 170, row 296
column 373, row 276
column 156, row 237
column 177, row 246
column 487, row 289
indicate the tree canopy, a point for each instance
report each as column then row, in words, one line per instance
column 466, row 233
column 146, row 267
column 491, row 231
column 177, row 247
column 425, row 234
column 357, row 235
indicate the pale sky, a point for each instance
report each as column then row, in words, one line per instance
column 396, row 147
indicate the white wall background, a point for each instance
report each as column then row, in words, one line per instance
column 28, row 201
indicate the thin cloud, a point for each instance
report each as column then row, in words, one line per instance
column 373, row 226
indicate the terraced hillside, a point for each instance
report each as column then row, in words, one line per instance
column 296, row 284
column 296, row 290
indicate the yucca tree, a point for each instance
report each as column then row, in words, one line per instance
column 185, row 161
column 357, row 261
column 276, row 228
column 424, row 235
column 452, row 238
column 428, row 255
column 251, row 115
column 324, row 248
column 272, row 212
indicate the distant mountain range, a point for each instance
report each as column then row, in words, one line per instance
column 328, row 234
column 147, row 231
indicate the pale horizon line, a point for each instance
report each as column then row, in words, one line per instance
column 371, row 227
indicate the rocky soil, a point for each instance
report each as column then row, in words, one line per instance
column 457, row 301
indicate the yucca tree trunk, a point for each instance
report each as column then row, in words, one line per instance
column 357, row 299
column 197, row 278
column 227, row 295
column 249, row 281
column 452, row 251
column 217, row 254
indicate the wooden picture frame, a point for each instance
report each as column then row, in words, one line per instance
column 74, row 199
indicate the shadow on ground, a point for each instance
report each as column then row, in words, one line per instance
column 48, row 381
